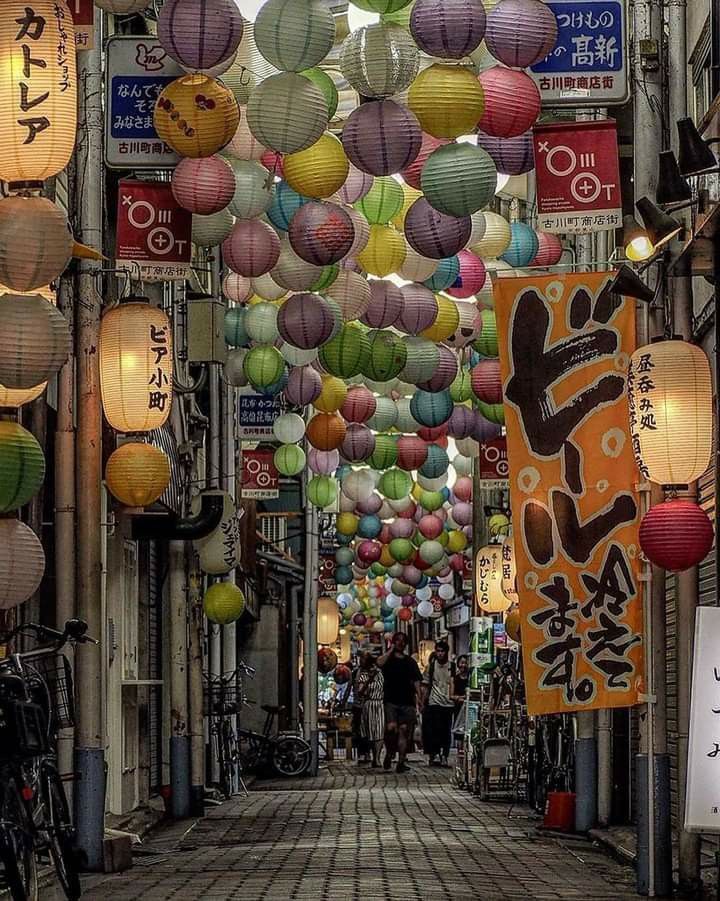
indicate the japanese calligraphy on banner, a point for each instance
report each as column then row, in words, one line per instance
column 589, row 64
column 260, row 478
column 565, row 344
column 83, row 13
column 577, row 167
column 702, row 798
column 153, row 231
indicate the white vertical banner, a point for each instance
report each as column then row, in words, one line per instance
column 702, row 802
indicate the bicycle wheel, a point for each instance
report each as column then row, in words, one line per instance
column 291, row 756
column 60, row 833
column 17, row 850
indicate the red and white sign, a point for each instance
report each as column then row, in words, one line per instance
column 326, row 575
column 577, row 168
column 153, row 231
column 260, row 478
column 83, row 13
column 493, row 460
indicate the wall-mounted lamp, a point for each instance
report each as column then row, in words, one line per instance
column 661, row 228
column 694, row 154
column 673, row 191
column 637, row 243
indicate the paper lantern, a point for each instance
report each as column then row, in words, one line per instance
column 447, row 271
column 487, row 381
column 459, row 179
column 385, row 305
column 447, row 100
column 450, row 29
column 209, row 231
column 461, row 423
column 17, row 397
column 34, row 340
column 670, row 401
column 263, row 365
column 444, row 324
column 319, row 170
column 327, row 621
column 346, row 354
column 293, row 35
column 512, row 102
column 416, row 268
column 122, row 6
column 321, row 492
column 289, row 428
column 488, row 570
column 287, row 113
column 550, row 250
column 289, row 459
column 512, row 156
column 137, row 474
column 304, row 385
column 196, row 115
column 296, row 357
column 384, row 455
column 362, row 236
column 379, row 60
column 412, row 173
column 431, row 408
column 35, row 242
column 284, row 204
column 203, row 186
column 496, row 238
column 22, row 466
column 223, row 603
column 292, row 272
column 234, row 368
column 395, row 484
column 435, row 234
column 22, row 563
column 38, row 90
column 322, row 80
column 253, row 192
column 326, row 431
column 236, row 288
column 200, row 34
column 352, row 293
column 358, row 443
column 382, row 201
column 359, row 405
column 305, row 320
column 445, row 371
column 521, row 33
column 244, row 145
column 357, row 184
column 381, row 137
column 471, row 276
column 412, row 452
column 261, row 322
column 321, row 233
column 523, row 245
column 419, row 310
column 436, row 463
column 487, row 342
column 264, row 287
column 333, row 394
column 405, row 421
column 386, row 358
column 676, row 534
column 384, row 416
column 384, row 252
column 461, row 389
column 328, row 276
column 252, row 248
column 422, row 358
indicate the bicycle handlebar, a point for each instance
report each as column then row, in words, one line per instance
column 75, row 631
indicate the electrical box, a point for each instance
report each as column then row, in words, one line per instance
column 205, row 330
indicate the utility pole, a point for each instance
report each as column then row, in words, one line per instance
column 310, row 648
column 179, row 707
column 90, row 736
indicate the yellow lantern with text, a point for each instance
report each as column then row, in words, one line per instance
column 489, row 597
column 136, row 369
column 38, row 89
column 327, row 621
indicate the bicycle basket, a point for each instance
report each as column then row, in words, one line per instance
column 221, row 699
column 56, row 673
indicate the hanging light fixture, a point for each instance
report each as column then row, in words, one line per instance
column 627, row 284
column 673, row 191
column 637, row 244
column 661, row 228
column 327, row 621
column 489, row 596
column 694, row 153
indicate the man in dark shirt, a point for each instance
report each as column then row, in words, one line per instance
column 403, row 698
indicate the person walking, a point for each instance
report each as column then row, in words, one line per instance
column 358, row 702
column 439, row 706
column 371, row 687
column 403, row 699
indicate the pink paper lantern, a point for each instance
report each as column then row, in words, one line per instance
column 203, row 186
column 412, row 452
column 521, row 33
column 369, row 505
column 430, row 526
column 356, row 186
column 448, row 29
column 419, row 310
column 433, row 433
column 273, row 162
column 402, row 528
column 369, row 551
column 358, row 443
column 463, row 489
column 321, row 233
column 445, row 371
column 411, row 174
column 200, row 34
column 462, row 513
column 324, row 463
column 434, row 234
column 411, row 575
column 457, row 563
column 471, row 277
column 252, row 248
column 487, row 382
column 359, row 404
column 306, row 321
column 550, row 250
column 512, row 102
column 236, row 287
column 381, row 137
column 304, row 385
column 409, row 511
column 385, row 536
column 386, row 304
column 512, row 156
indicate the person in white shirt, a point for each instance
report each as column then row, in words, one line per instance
column 439, row 705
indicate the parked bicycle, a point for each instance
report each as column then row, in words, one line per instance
column 36, row 701
column 285, row 753
column 223, row 700
column 553, row 766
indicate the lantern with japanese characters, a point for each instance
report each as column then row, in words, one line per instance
column 136, row 367
column 489, row 595
column 38, row 89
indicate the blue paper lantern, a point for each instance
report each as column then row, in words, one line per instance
column 523, row 246
column 445, row 493
column 343, row 540
column 445, row 275
column 436, row 463
column 285, row 203
column 431, row 408
column 369, row 526
column 343, row 575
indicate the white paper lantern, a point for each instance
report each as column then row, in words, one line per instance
column 220, row 551
column 22, row 563
column 253, row 189
column 287, row 112
column 34, row 340
column 209, row 231
column 289, row 428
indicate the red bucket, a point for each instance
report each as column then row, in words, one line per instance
column 560, row 812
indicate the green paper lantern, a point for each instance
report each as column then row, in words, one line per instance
column 289, row 459
column 327, row 277
column 401, row 549
column 387, row 356
column 385, row 415
column 320, row 78
column 223, row 603
column 459, row 179
column 461, row 388
column 385, row 454
column 487, row 344
column 383, row 201
column 346, row 354
column 431, row 500
column 492, row 412
column 381, row 6
column 377, row 569
column 22, row 466
column 395, row 484
column 322, row 491
column 263, row 365
column 294, row 34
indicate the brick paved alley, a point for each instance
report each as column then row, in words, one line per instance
column 355, row 835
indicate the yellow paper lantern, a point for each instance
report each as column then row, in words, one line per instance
column 384, row 252
column 136, row 369
column 137, row 474
column 318, row 171
column 410, row 195
column 196, row 115
column 670, row 400
column 343, row 647
column 512, row 626
column 327, row 621
column 496, row 237
column 35, row 242
column 447, row 100
column 446, row 321
column 489, row 595
column 332, row 394
column 347, row 523
column 38, row 89
column 223, row 603
column 17, row 397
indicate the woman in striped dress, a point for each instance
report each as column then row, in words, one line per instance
column 371, row 687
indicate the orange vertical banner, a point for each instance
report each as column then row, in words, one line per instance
column 565, row 343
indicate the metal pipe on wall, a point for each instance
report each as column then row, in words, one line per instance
column 213, row 480
column 195, row 684
column 310, row 669
column 179, row 709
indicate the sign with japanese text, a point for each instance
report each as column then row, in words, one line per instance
column 260, row 478
column 326, row 533
column 565, row 344
column 482, row 657
column 577, row 167
column 137, row 71
column 589, row 64
column 326, row 575
column 256, row 415
column 153, row 231
column 83, row 13
column 702, row 798
column 493, row 460
column 457, row 615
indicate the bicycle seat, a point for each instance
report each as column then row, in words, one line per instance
column 269, row 708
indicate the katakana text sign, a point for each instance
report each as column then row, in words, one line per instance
column 565, row 344
column 577, row 167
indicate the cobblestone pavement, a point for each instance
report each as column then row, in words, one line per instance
column 356, row 834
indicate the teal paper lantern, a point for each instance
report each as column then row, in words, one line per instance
column 294, row 34
column 344, row 556
column 445, row 275
column 385, row 454
column 285, row 203
column 263, row 366
column 395, row 484
column 235, row 332
column 431, row 409
column 385, row 415
column 22, row 466
column 459, row 179
column 523, row 246
column 369, row 526
column 322, row 491
column 289, row 459
column 436, row 463
column 343, row 574
column 346, row 354
column 387, row 356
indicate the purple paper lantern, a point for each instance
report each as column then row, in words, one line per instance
column 521, row 33
column 512, row 156
column 402, row 528
column 484, row 429
column 252, row 248
column 358, row 443
column 356, row 186
column 321, row 233
column 445, row 371
column 448, row 29
column 382, row 137
column 305, row 321
column 200, row 34
column 304, row 386
column 462, row 422
column 386, row 303
column 323, row 463
column 434, row 234
column 419, row 310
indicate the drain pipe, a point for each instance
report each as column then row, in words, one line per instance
column 179, row 737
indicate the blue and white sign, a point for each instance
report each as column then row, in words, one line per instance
column 589, row 65
column 256, row 415
column 137, row 70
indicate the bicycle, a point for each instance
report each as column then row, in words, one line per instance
column 223, row 700
column 36, row 701
column 554, row 757
column 287, row 753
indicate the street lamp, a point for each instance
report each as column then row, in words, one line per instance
column 661, row 228
column 637, row 244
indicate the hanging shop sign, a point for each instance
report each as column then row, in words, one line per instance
column 702, row 798
column 457, row 615
column 589, row 64
column 220, row 551
column 326, row 533
column 482, row 659
column 577, row 167
column 326, row 576
column 260, row 478
column 493, row 463
column 564, row 346
column 256, row 415
column 137, row 71
column 83, row 13
column 153, row 231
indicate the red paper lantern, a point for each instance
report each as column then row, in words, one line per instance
column 676, row 534
column 550, row 250
column 512, row 102
column 412, row 452
column 487, row 382
column 405, row 614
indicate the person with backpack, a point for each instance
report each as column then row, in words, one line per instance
column 439, row 705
